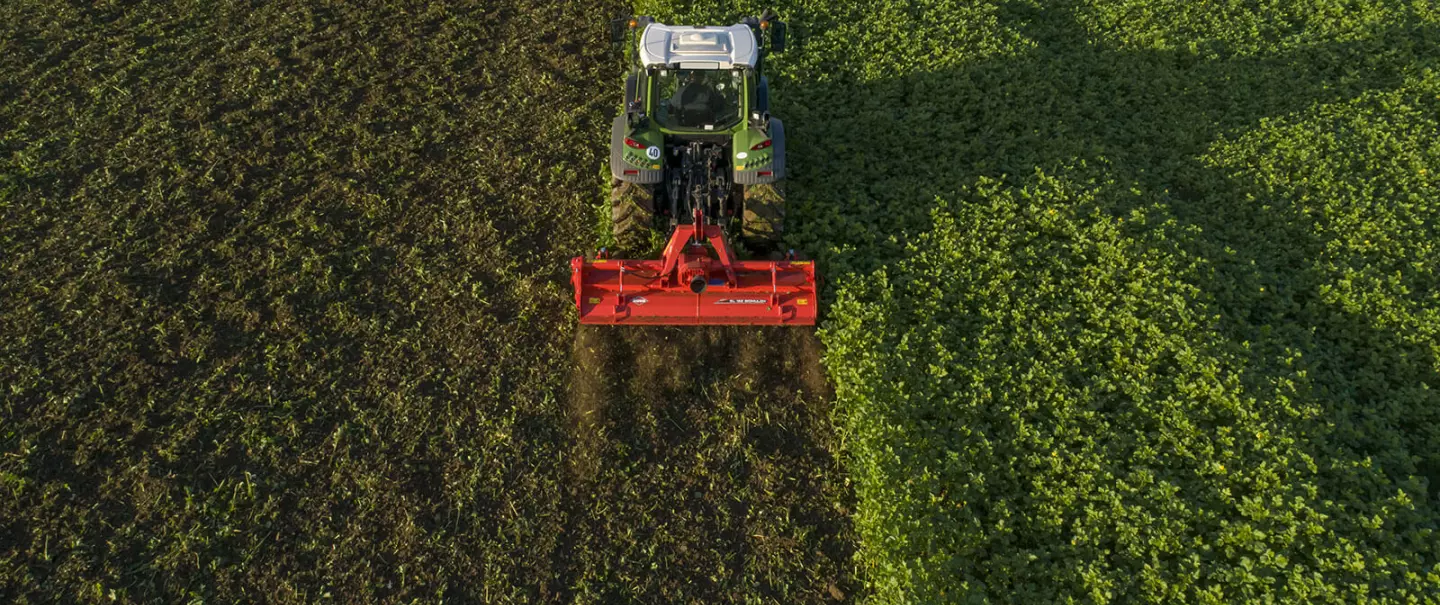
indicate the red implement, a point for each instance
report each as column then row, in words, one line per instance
column 695, row 285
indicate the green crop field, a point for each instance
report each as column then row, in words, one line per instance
column 1125, row 301
column 1132, row 301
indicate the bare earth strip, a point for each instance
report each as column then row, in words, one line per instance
column 714, row 447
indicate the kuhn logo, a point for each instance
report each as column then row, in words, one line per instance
column 639, row 300
column 740, row 301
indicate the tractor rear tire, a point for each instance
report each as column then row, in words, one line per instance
column 632, row 216
column 764, row 220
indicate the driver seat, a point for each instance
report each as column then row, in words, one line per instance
column 699, row 102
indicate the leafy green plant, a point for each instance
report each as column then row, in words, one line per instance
column 1128, row 301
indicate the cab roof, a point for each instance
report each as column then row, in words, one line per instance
column 690, row 47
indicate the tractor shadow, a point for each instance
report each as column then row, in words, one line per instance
column 701, row 469
column 1073, row 105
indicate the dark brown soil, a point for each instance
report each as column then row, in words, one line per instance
column 284, row 319
column 714, row 444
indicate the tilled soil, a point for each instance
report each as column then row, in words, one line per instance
column 713, row 447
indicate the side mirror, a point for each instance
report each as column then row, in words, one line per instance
column 777, row 36
column 618, row 27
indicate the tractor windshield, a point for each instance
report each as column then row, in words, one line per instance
column 698, row 99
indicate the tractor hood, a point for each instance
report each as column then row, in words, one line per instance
column 699, row 47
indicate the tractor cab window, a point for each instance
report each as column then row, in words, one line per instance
column 698, row 99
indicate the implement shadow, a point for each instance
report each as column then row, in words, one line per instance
column 1146, row 118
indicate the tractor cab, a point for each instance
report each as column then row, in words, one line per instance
column 696, row 78
column 698, row 99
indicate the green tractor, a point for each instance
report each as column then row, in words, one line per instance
column 696, row 133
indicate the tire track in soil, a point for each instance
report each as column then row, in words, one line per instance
column 702, row 470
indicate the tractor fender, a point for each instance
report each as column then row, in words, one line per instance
column 777, row 166
column 618, row 165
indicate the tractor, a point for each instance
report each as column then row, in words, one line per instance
column 695, row 154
